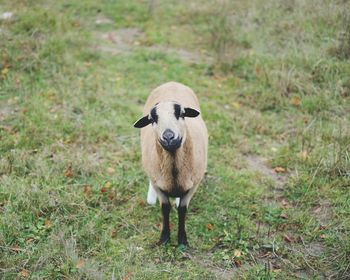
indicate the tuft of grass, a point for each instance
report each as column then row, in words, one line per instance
column 342, row 50
column 221, row 30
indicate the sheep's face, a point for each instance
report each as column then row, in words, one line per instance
column 168, row 122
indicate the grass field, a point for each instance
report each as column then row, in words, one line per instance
column 273, row 79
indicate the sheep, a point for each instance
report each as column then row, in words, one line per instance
column 174, row 143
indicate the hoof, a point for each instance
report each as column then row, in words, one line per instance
column 163, row 240
column 182, row 240
column 182, row 247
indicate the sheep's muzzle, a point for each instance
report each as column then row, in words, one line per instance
column 169, row 142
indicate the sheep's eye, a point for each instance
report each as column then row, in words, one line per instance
column 182, row 115
column 154, row 116
column 177, row 111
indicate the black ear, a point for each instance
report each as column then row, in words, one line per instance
column 191, row 113
column 144, row 121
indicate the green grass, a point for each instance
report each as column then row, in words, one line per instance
column 277, row 89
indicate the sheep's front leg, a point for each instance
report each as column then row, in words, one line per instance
column 181, row 211
column 181, row 234
column 165, row 234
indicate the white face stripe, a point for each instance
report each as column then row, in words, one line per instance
column 167, row 120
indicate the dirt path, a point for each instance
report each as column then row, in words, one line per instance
column 124, row 41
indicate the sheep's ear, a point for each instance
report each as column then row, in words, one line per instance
column 191, row 113
column 144, row 121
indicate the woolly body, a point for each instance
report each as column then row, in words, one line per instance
column 175, row 174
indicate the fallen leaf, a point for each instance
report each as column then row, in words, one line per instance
column 68, row 172
column 68, row 141
column 17, row 249
column 210, row 226
column 104, row 190
column 47, row 223
column 285, row 204
column 76, row 23
column 261, row 129
column 80, row 263
column 266, row 254
column 236, row 105
column 5, row 71
column 323, row 236
column 142, row 203
column 284, row 216
column 6, row 129
column 258, row 71
column 238, row 263
column 127, row 276
column 318, row 210
column 288, row 238
column 295, row 101
column 303, row 155
column 24, row 273
column 279, row 169
column 110, row 170
column 237, row 253
column 110, row 195
column 87, row 190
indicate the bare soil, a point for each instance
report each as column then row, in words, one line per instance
column 126, row 40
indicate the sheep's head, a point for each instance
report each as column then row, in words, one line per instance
column 168, row 122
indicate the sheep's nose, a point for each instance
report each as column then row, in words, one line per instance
column 168, row 135
column 169, row 142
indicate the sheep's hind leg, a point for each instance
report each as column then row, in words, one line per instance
column 151, row 195
column 177, row 201
column 165, row 234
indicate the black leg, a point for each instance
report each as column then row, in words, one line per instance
column 165, row 234
column 181, row 234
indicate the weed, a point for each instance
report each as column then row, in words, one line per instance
column 342, row 50
column 221, row 31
